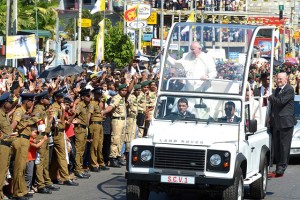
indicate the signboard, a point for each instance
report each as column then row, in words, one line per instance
column 131, row 13
column 156, row 42
column 148, row 29
column 40, row 57
column 147, row 37
column 233, row 56
column 145, row 44
column 140, row 11
column 137, row 24
column 21, row 46
column 144, row 11
column 153, row 18
column 281, row 7
column 85, row 23
column 131, row 35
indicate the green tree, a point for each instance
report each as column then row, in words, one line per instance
column 46, row 10
column 117, row 46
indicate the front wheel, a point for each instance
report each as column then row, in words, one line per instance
column 258, row 189
column 235, row 191
column 137, row 191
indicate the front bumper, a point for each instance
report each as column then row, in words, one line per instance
column 199, row 180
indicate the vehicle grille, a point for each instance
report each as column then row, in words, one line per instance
column 180, row 159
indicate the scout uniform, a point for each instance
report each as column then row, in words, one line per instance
column 292, row 79
column 131, row 118
column 42, row 169
column 118, row 125
column 20, row 147
column 150, row 102
column 5, row 141
column 81, row 133
column 142, row 106
column 59, row 163
column 96, row 131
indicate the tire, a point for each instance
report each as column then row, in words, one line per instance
column 235, row 191
column 137, row 191
column 258, row 189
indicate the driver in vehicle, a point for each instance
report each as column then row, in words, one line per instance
column 182, row 111
column 230, row 116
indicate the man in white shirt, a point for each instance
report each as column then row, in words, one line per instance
column 34, row 69
column 197, row 65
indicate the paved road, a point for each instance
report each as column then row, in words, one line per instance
column 111, row 185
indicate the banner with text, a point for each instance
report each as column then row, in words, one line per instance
column 21, row 46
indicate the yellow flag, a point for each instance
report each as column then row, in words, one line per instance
column 191, row 17
column 100, row 43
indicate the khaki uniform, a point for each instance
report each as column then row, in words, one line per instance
column 81, row 132
column 5, row 144
column 20, row 150
column 150, row 101
column 42, row 169
column 142, row 105
column 118, row 125
column 97, row 134
column 293, row 81
column 131, row 120
column 59, row 162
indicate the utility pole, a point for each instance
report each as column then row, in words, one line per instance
column 292, row 44
column 79, row 32
column 15, row 26
column 8, row 23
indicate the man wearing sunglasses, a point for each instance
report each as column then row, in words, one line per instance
column 230, row 116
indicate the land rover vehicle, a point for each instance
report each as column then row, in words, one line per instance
column 295, row 146
column 208, row 152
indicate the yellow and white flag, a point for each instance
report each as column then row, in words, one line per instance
column 98, row 7
column 191, row 18
column 100, row 43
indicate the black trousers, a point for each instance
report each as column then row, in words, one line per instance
column 282, row 138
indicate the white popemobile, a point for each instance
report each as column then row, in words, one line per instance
column 223, row 143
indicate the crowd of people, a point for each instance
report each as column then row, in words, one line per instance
column 58, row 130
column 217, row 5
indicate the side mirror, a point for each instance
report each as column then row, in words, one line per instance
column 252, row 126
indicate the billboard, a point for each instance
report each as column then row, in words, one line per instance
column 21, row 46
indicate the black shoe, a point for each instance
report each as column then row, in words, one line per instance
column 82, row 175
column 103, row 168
column 28, row 195
column 21, row 198
column 114, row 163
column 121, row 161
column 44, row 190
column 53, row 187
column 70, row 183
column 95, row 169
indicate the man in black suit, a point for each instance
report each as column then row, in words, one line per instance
column 182, row 113
column 230, row 116
column 174, row 85
column 282, row 120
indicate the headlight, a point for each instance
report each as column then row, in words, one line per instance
column 215, row 160
column 141, row 156
column 146, row 155
column 218, row 161
column 296, row 136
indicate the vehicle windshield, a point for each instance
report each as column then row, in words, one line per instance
column 178, row 108
column 206, row 58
